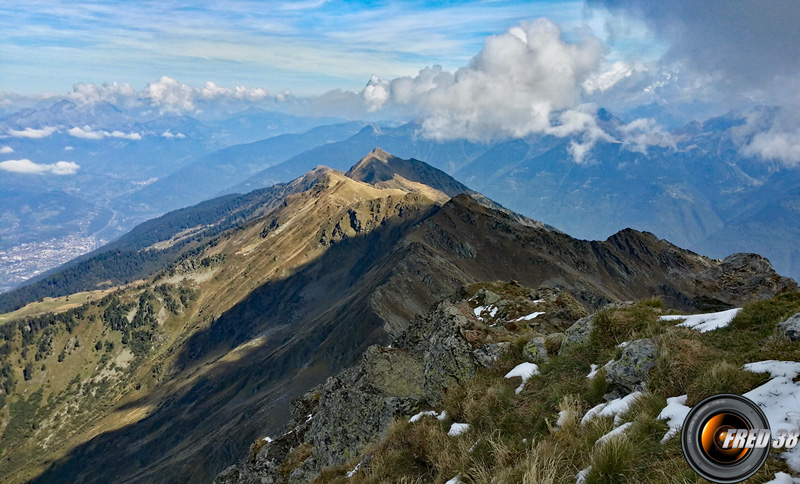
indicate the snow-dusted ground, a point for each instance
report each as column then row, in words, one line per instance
column 580, row 478
column 481, row 309
column 530, row 316
column 779, row 398
column 419, row 416
column 428, row 413
column 784, row 478
column 705, row 322
column 674, row 413
column 525, row 371
column 613, row 433
column 458, row 429
column 353, row 472
column 614, row 408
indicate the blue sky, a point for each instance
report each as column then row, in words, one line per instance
column 307, row 46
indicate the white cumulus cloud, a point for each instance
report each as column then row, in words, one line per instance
column 88, row 133
column 776, row 144
column 528, row 80
column 169, row 135
column 6, row 149
column 642, row 133
column 173, row 96
column 29, row 167
column 32, row 133
column 122, row 94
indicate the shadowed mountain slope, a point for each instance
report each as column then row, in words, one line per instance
column 301, row 284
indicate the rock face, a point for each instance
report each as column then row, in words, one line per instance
column 535, row 350
column 578, row 333
column 791, row 327
column 738, row 279
column 628, row 373
column 488, row 354
column 338, row 419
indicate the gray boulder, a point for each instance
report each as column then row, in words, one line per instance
column 629, row 371
column 579, row 333
column 791, row 327
column 488, row 354
column 488, row 297
column 535, row 350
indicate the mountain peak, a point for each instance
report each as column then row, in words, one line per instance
column 383, row 169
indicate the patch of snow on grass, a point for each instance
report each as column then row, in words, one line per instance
column 705, row 322
column 457, row 429
column 783, row 478
column 617, row 431
column 525, row 371
column 455, row 480
column 419, row 416
column 268, row 440
column 779, row 398
column 613, row 408
column 353, row 472
column 593, row 373
column 580, row 478
column 442, row 416
column 530, row 316
column 674, row 413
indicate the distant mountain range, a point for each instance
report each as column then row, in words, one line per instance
column 699, row 191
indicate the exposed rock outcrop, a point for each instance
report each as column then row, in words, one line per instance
column 791, row 327
column 628, row 373
column 738, row 279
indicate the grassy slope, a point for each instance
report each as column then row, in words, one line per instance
column 513, row 437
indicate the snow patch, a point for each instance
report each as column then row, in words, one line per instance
column 617, row 431
column 779, row 398
column 525, row 371
column 419, row 416
column 674, row 413
column 593, row 371
column 268, row 440
column 580, row 478
column 455, row 480
column 530, row 316
column 783, row 478
column 458, row 429
column 353, row 472
column 705, row 322
column 614, row 408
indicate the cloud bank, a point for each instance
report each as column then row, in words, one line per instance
column 6, row 149
column 32, row 133
column 166, row 94
column 28, row 167
column 87, row 133
column 527, row 81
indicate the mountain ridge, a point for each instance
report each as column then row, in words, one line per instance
column 294, row 289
